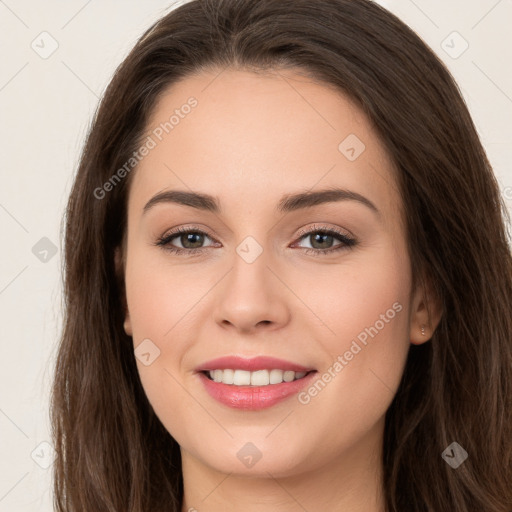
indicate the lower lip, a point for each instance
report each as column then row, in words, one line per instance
column 253, row 397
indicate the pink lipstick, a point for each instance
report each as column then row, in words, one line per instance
column 253, row 384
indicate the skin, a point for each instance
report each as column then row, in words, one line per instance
column 252, row 139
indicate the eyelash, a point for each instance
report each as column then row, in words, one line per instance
column 347, row 242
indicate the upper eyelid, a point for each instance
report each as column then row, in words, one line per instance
column 316, row 228
column 303, row 232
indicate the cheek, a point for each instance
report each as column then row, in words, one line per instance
column 165, row 302
column 159, row 295
column 365, row 298
column 158, row 300
column 367, row 310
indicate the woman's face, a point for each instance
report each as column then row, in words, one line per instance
column 259, row 276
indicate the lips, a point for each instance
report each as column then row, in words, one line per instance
column 239, row 394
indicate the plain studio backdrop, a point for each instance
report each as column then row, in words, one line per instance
column 57, row 58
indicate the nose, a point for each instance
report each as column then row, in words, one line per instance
column 252, row 297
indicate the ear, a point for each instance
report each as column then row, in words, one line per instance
column 119, row 262
column 426, row 313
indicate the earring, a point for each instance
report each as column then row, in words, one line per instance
column 423, row 330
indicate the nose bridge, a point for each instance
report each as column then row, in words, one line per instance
column 250, row 268
column 251, row 294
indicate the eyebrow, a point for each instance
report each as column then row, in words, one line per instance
column 288, row 203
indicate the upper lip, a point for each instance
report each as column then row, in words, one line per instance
column 251, row 364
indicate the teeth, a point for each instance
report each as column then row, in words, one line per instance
column 276, row 376
column 226, row 376
column 240, row 378
column 288, row 376
column 257, row 378
column 260, row 378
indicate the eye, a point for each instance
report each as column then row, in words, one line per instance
column 322, row 238
column 191, row 241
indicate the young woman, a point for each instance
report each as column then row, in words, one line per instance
column 287, row 274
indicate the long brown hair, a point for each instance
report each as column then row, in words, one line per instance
column 113, row 453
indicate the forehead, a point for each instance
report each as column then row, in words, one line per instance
column 252, row 136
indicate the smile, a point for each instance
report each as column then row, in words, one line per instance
column 253, row 383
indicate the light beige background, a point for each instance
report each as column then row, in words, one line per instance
column 45, row 107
